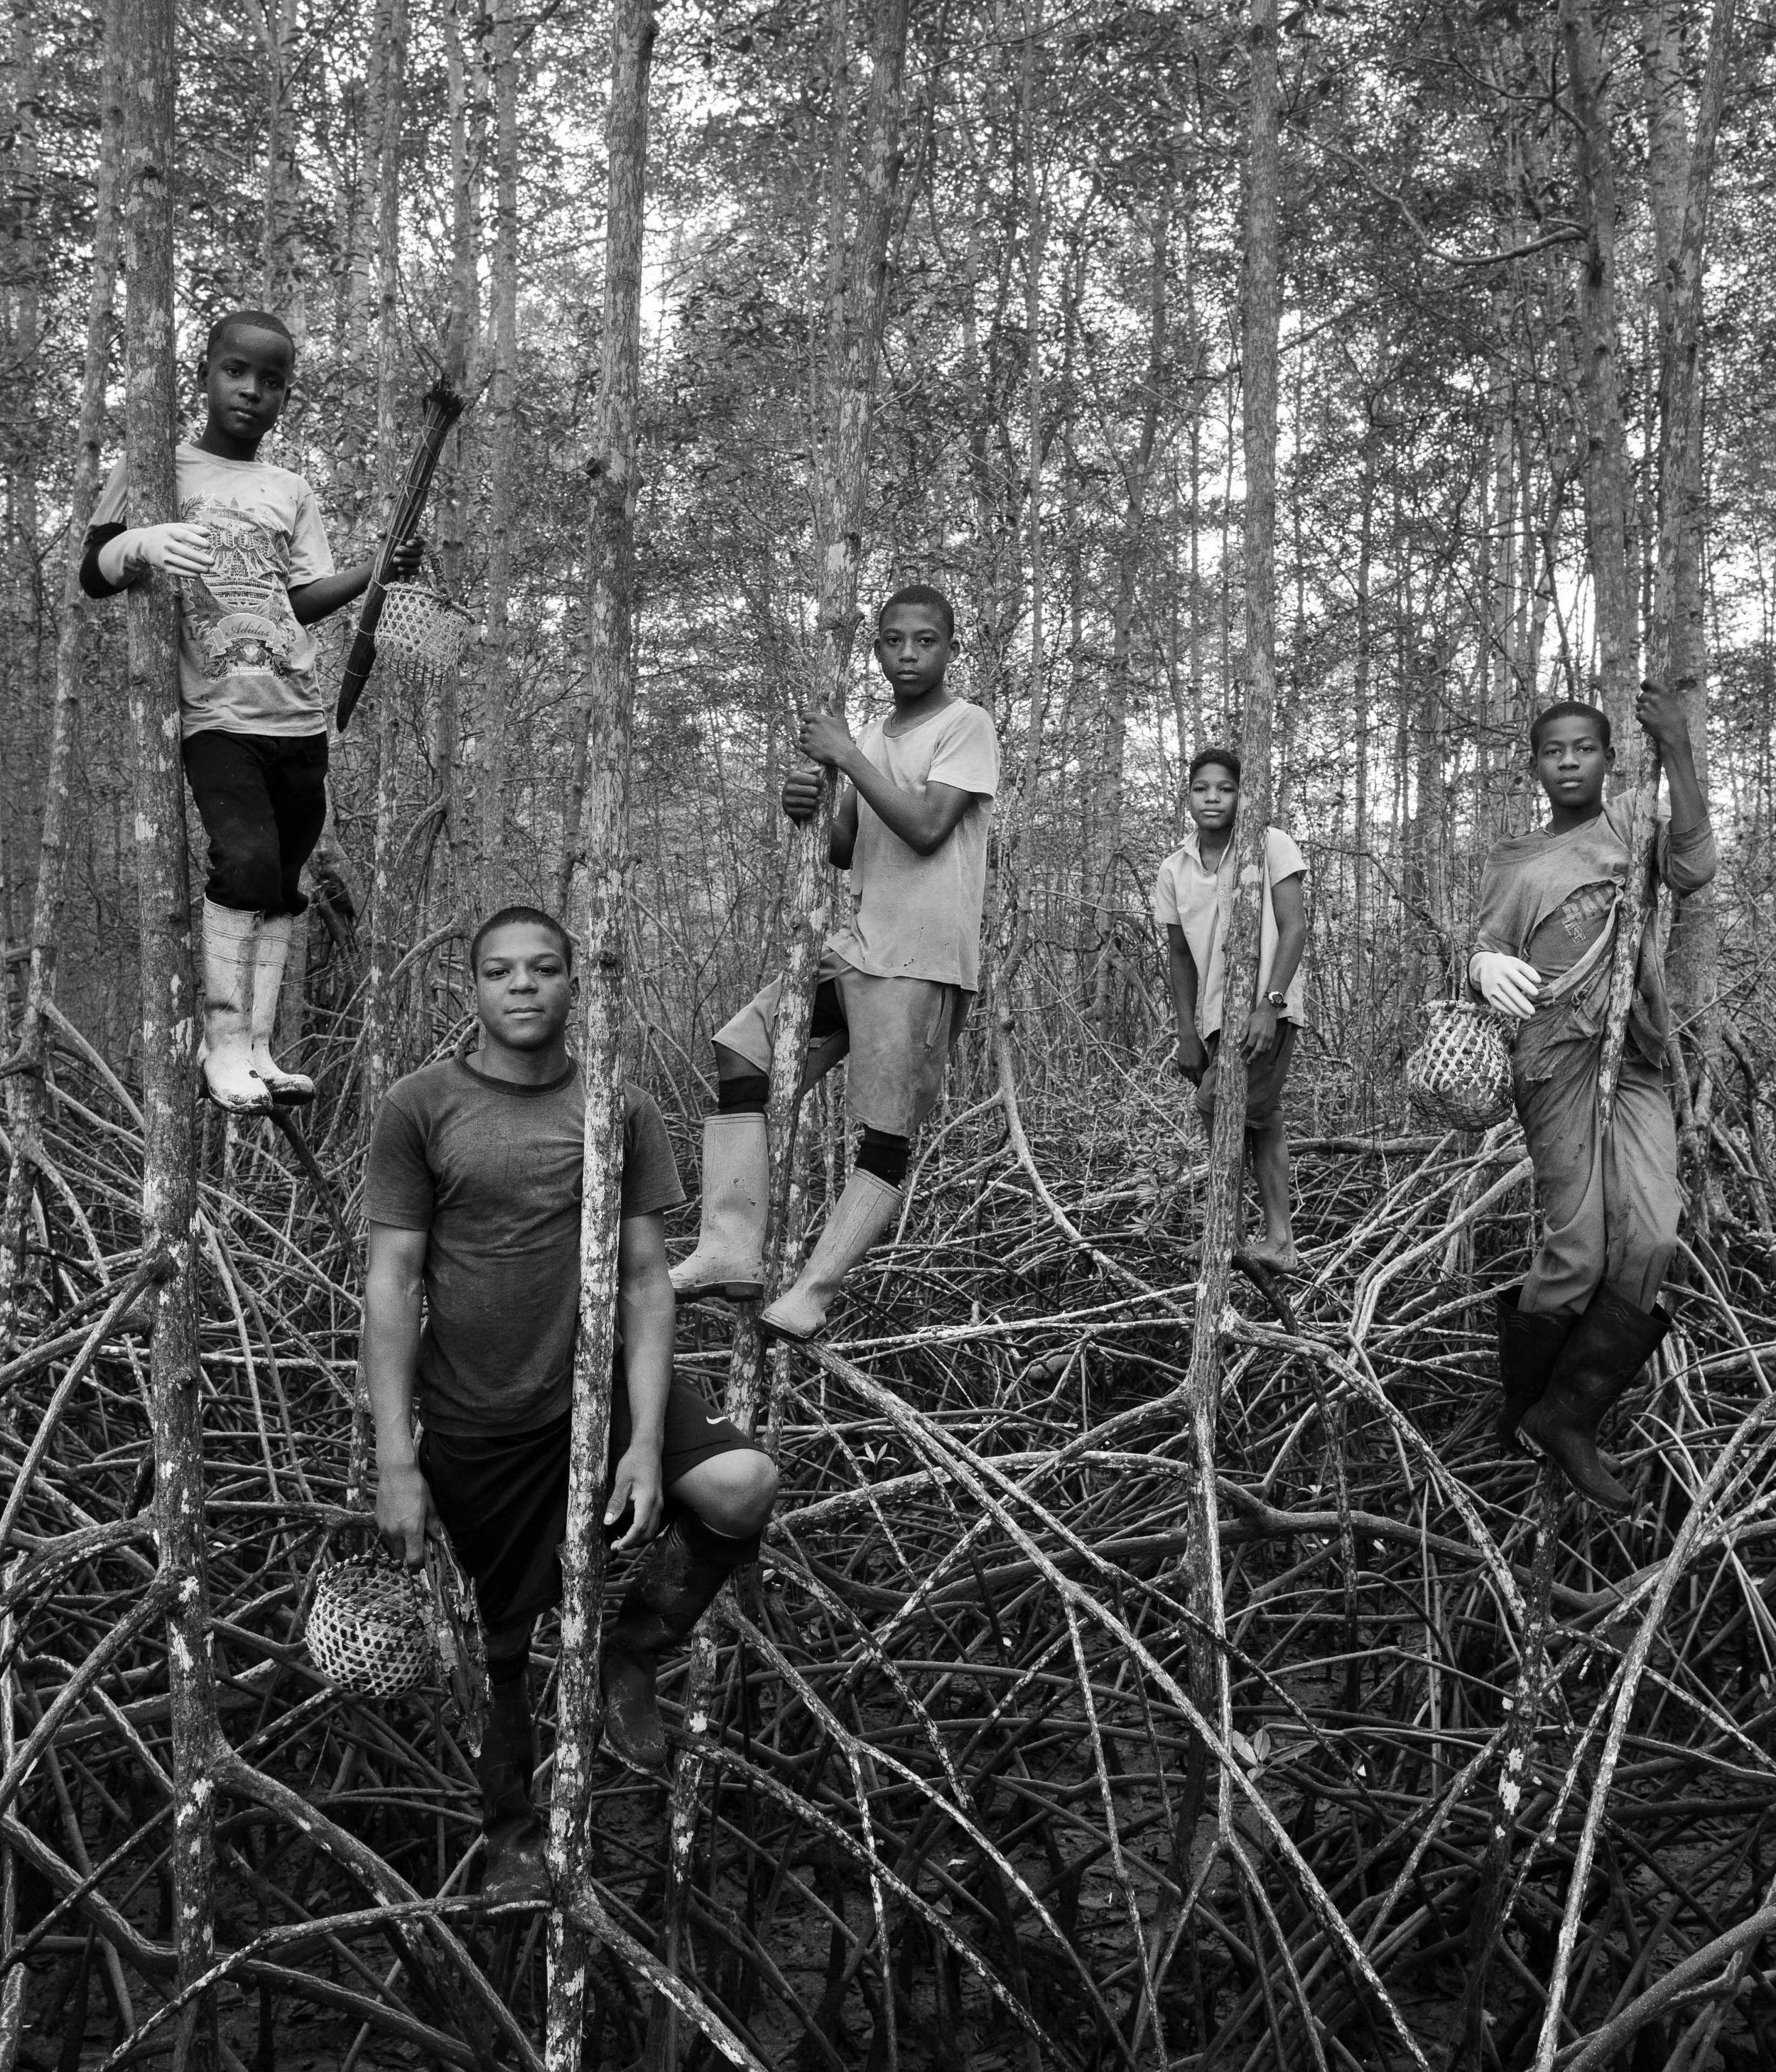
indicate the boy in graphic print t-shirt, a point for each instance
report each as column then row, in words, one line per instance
column 248, row 559
column 895, row 984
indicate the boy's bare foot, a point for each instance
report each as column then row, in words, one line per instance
column 1280, row 1255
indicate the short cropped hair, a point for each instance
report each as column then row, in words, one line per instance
column 1567, row 708
column 516, row 917
column 933, row 600
column 245, row 320
column 1227, row 757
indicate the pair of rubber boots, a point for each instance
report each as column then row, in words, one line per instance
column 676, row 1582
column 1559, row 1376
column 730, row 1258
column 244, row 958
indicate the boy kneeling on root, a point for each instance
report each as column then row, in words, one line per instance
column 473, row 1194
column 1586, row 1320
column 894, row 987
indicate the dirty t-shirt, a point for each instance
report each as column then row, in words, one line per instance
column 1548, row 897
column 492, row 1173
column 245, row 666
column 919, row 916
column 1187, row 895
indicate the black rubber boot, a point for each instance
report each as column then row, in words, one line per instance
column 1528, row 1343
column 514, row 1871
column 679, row 1577
column 1609, row 1346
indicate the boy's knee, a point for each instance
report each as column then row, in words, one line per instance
column 249, row 878
column 737, row 1501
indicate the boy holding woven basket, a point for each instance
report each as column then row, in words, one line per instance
column 249, row 562
column 1586, row 1319
column 472, row 1191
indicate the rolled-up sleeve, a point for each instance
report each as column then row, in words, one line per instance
column 1688, row 858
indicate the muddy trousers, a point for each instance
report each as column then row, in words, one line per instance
column 1610, row 1203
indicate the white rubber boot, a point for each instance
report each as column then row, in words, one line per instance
column 865, row 1211
column 730, row 1240
column 273, row 954
column 230, row 940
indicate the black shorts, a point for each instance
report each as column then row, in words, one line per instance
column 1264, row 1080
column 503, row 1497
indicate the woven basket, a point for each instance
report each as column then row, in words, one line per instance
column 420, row 631
column 1460, row 1075
column 371, row 1629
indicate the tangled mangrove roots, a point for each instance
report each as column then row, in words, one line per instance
column 1495, row 1794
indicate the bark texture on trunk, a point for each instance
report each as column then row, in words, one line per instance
column 600, row 917
column 169, row 1201
column 1259, row 321
column 25, row 1086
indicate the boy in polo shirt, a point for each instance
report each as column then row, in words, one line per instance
column 473, row 1196
column 1190, row 897
column 895, row 983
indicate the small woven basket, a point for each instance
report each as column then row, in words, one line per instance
column 372, row 1629
column 420, row 631
column 1460, row 1075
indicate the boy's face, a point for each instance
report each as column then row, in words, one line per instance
column 913, row 648
column 1572, row 761
column 246, row 381
column 1213, row 797
column 523, row 991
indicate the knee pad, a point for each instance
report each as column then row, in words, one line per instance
column 884, row 1154
column 744, row 1094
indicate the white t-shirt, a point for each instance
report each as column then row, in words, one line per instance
column 245, row 666
column 919, row 916
column 1188, row 893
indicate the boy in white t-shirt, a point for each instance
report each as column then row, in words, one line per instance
column 895, row 983
column 249, row 558
column 1190, row 899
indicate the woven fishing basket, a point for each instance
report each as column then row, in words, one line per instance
column 1460, row 1075
column 420, row 631
column 372, row 1629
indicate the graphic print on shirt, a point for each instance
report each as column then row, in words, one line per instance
column 237, row 617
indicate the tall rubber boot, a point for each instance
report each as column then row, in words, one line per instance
column 230, row 945
column 868, row 1206
column 515, row 1870
column 269, row 959
column 676, row 1583
column 1528, row 1343
column 730, row 1258
column 1607, row 1347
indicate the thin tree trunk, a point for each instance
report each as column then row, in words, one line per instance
column 1258, row 344
column 169, row 1199
column 1020, row 853
column 611, row 675
column 390, row 32
column 1606, row 467
column 25, row 1082
column 1681, row 177
column 497, row 677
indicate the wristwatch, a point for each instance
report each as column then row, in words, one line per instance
column 1276, row 999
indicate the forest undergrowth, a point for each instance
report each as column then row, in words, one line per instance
column 957, row 1807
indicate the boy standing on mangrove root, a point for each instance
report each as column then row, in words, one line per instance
column 1189, row 898
column 473, row 1196
column 1586, row 1319
column 249, row 560
column 894, row 986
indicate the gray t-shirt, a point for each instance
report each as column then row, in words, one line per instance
column 245, row 665
column 919, row 916
column 492, row 1173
